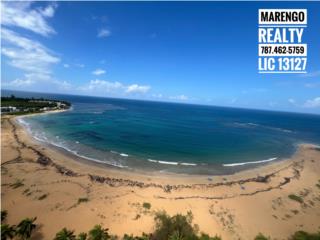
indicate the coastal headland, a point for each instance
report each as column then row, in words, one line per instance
column 239, row 206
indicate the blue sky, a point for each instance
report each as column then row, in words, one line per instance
column 192, row 52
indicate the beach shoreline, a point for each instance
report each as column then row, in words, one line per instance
column 65, row 178
column 259, row 167
column 220, row 169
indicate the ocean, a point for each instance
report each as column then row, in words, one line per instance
column 171, row 137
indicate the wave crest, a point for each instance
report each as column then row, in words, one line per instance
column 245, row 163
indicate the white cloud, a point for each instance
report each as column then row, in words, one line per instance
column 159, row 95
column 179, row 97
column 98, row 72
column 312, row 103
column 22, row 52
column 26, row 54
column 19, row 83
column 63, row 85
column 135, row 88
column 99, row 87
column 19, row 14
column 102, row 33
column 66, row 65
column 49, row 10
column 291, row 100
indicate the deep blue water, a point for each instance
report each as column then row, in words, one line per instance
column 192, row 138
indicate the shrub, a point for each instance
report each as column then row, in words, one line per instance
column 302, row 235
column 131, row 237
column 207, row 237
column 296, row 198
column 81, row 200
column 260, row 236
column 146, row 205
column 17, row 183
column 42, row 196
column 176, row 227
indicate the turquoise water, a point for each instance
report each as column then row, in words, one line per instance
column 173, row 137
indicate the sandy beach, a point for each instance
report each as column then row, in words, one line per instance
column 237, row 206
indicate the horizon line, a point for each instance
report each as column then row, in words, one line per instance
column 170, row 102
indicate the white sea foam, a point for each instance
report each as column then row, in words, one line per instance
column 171, row 163
column 189, row 164
column 124, row 155
column 245, row 163
column 23, row 123
column 44, row 139
column 163, row 162
column 262, row 126
column 253, row 124
column 100, row 161
column 152, row 160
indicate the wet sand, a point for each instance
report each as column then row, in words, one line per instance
column 237, row 206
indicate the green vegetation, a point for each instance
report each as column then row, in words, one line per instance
column 295, row 198
column 99, row 233
column 301, row 235
column 146, row 205
column 130, row 237
column 65, row 234
column 260, row 236
column 82, row 200
column 17, row 106
column 22, row 231
column 82, row 236
column 7, row 231
column 4, row 215
column 207, row 237
column 177, row 227
column 25, row 228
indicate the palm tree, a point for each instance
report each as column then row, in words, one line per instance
column 82, row 236
column 65, row 234
column 7, row 232
column 25, row 228
column 99, row 233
